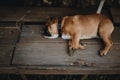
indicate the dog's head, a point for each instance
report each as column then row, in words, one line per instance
column 51, row 29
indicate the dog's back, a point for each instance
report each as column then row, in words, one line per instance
column 87, row 25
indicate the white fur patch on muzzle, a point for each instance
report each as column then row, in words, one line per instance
column 52, row 37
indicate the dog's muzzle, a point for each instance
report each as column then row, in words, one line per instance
column 47, row 34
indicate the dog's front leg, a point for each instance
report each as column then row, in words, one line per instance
column 74, row 44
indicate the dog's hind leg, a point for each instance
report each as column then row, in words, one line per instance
column 108, row 44
column 105, row 31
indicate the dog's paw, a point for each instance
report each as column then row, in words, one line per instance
column 81, row 47
column 103, row 52
column 71, row 51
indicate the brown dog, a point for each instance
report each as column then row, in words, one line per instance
column 83, row 27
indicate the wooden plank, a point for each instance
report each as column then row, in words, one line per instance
column 32, row 33
column 6, row 54
column 8, row 37
column 52, row 70
column 35, row 52
column 9, row 13
column 36, row 13
column 56, row 54
column 9, row 34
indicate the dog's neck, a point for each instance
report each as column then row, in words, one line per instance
column 63, row 36
column 59, row 29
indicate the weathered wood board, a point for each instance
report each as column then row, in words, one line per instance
column 33, row 49
column 6, row 52
column 38, row 14
column 33, row 33
column 35, row 13
column 8, row 37
column 9, row 34
column 56, row 54
column 35, row 54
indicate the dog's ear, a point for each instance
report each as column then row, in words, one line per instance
column 55, row 20
column 52, row 20
column 48, row 22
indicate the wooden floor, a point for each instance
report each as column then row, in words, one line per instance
column 24, row 50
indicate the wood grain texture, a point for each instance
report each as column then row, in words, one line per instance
column 56, row 54
column 35, row 13
column 6, row 52
column 34, row 50
column 32, row 33
column 9, row 34
column 33, row 54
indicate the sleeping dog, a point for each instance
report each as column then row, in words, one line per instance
column 79, row 27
